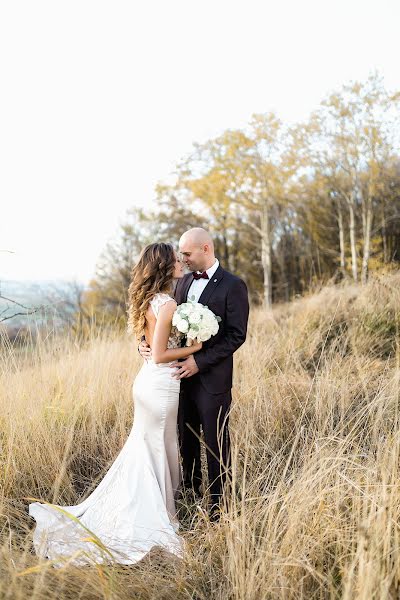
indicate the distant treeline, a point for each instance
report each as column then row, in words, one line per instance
column 289, row 207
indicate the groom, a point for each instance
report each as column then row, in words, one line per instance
column 206, row 377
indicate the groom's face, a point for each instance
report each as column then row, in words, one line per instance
column 194, row 256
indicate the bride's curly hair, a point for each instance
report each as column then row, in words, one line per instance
column 153, row 273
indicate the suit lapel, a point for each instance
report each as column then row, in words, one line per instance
column 185, row 288
column 211, row 285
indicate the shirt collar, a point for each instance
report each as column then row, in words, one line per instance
column 210, row 272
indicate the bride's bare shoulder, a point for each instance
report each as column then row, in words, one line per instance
column 162, row 301
column 168, row 303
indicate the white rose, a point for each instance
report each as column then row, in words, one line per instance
column 195, row 317
column 204, row 335
column 207, row 321
column 184, row 309
column 183, row 326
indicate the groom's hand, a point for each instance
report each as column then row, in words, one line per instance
column 186, row 368
column 144, row 350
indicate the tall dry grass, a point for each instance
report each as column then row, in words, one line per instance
column 315, row 427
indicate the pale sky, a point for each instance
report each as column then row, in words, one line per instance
column 99, row 100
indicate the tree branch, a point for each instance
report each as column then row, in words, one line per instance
column 29, row 311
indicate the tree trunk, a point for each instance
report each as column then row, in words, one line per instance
column 384, row 236
column 367, row 242
column 341, row 242
column 266, row 255
column 281, row 262
column 352, row 229
column 225, row 245
column 236, row 243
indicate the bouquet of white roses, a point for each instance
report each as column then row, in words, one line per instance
column 195, row 321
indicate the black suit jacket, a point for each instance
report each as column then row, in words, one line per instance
column 226, row 295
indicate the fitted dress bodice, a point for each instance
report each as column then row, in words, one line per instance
column 175, row 337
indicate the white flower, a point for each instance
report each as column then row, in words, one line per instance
column 204, row 335
column 183, row 326
column 207, row 320
column 195, row 317
column 196, row 321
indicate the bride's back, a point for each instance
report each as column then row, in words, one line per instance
column 151, row 314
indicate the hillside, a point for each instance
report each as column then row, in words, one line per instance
column 315, row 427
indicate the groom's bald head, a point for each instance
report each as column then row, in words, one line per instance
column 198, row 236
column 197, row 249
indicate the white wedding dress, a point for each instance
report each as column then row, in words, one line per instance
column 133, row 507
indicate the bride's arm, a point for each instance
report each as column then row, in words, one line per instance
column 159, row 350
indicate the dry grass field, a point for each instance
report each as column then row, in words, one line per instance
column 316, row 444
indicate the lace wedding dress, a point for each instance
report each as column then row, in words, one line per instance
column 133, row 507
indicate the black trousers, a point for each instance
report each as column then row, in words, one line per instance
column 211, row 411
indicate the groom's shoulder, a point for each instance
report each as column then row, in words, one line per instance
column 232, row 279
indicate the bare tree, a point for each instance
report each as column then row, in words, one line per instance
column 67, row 301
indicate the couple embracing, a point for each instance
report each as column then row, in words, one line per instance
column 177, row 390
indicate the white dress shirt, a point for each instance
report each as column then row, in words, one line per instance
column 198, row 285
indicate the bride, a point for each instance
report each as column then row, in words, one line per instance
column 133, row 507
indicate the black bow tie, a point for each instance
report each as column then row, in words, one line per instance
column 201, row 275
